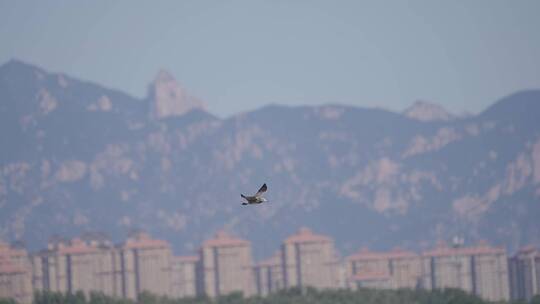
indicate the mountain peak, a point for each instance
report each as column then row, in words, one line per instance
column 168, row 98
column 15, row 61
column 427, row 111
column 523, row 104
column 16, row 64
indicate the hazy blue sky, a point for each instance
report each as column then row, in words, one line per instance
column 240, row 55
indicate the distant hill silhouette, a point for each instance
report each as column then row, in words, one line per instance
column 76, row 156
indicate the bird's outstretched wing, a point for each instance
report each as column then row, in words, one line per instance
column 261, row 190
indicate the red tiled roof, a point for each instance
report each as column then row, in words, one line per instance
column 5, row 249
column 144, row 241
column 8, row 251
column 305, row 235
column 224, row 239
column 77, row 250
column 77, row 246
column 528, row 249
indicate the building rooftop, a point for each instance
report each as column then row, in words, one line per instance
column 7, row 250
column 274, row 260
column 144, row 241
column 77, row 246
column 7, row 265
column 305, row 235
column 528, row 250
column 224, row 239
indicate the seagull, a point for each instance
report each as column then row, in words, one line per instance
column 257, row 198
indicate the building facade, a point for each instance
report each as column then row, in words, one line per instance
column 15, row 274
column 78, row 265
column 373, row 280
column 524, row 272
column 140, row 264
column 310, row 260
column 145, row 266
column 183, row 276
column 481, row 270
column 225, row 266
column 394, row 269
column 269, row 275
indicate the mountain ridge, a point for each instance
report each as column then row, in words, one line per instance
column 79, row 157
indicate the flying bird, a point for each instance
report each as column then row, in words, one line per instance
column 257, row 198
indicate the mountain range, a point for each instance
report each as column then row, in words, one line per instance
column 76, row 157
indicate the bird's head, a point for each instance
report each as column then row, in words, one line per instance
column 264, row 199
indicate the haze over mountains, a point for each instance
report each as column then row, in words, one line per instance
column 76, row 156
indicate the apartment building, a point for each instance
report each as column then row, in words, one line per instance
column 183, row 276
column 524, row 272
column 395, row 269
column 225, row 266
column 481, row 270
column 94, row 264
column 269, row 274
column 310, row 259
column 15, row 274
column 146, row 266
column 78, row 265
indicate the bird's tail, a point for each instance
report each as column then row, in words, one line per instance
column 243, row 196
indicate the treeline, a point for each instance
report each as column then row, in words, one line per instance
column 289, row 296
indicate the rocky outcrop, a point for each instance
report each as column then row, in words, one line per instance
column 426, row 111
column 168, row 98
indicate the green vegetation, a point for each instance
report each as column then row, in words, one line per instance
column 289, row 296
column 535, row 299
column 7, row 301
